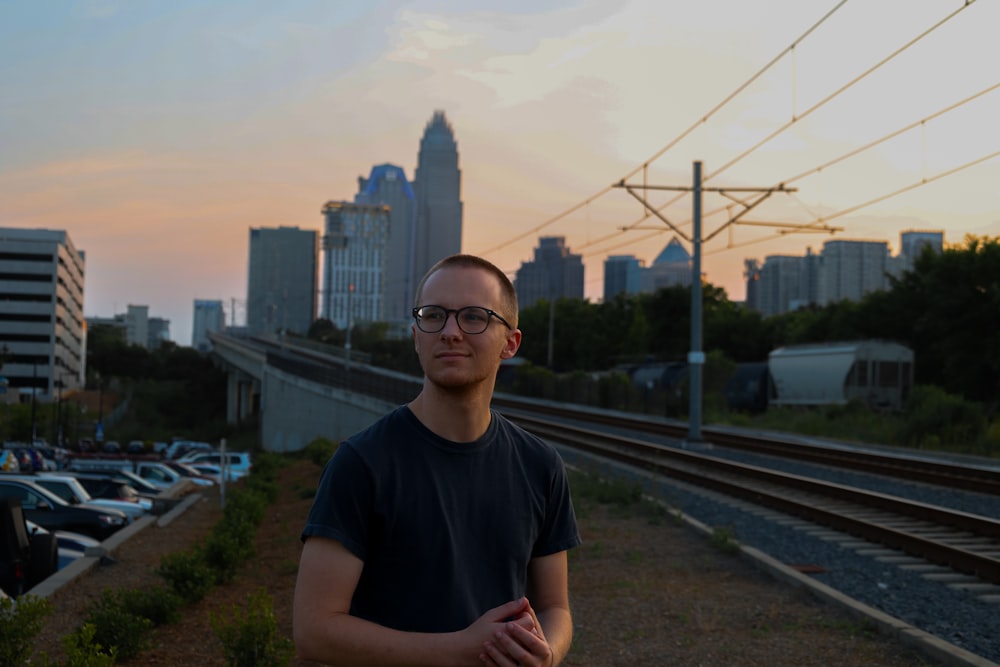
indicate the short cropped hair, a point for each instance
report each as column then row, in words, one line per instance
column 507, row 291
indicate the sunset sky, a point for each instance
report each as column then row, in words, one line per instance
column 157, row 133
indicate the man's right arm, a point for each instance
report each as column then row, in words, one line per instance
column 325, row 632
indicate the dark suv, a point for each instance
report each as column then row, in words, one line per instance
column 25, row 558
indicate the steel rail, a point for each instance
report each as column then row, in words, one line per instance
column 948, row 475
column 813, row 500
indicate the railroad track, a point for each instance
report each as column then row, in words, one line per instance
column 911, row 468
column 964, row 542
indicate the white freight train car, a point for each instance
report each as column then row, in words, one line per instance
column 878, row 373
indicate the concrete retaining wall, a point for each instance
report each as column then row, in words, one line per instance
column 294, row 412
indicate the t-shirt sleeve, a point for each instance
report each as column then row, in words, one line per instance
column 559, row 529
column 342, row 506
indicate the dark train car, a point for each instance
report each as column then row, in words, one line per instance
column 750, row 388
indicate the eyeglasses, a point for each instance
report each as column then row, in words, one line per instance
column 471, row 319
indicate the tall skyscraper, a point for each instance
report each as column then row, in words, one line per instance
column 281, row 285
column 387, row 185
column 208, row 317
column 671, row 267
column 438, row 187
column 622, row 275
column 355, row 239
column 42, row 327
column 555, row 273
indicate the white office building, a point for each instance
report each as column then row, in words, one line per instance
column 355, row 243
column 42, row 327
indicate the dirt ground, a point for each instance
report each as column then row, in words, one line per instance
column 642, row 594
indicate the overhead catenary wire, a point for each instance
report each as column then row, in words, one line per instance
column 921, row 123
column 658, row 154
column 807, row 226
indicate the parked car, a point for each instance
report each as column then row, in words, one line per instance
column 69, row 545
column 8, row 461
column 191, row 473
column 70, row 489
column 210, row 470
column 26, row 558
column 112, row 487
column 238, row 464
column 126, row 485
column 28, row 457
column 53, row 513
column 143, row 487
column 136, row 447
column 179, row 448
column 159, row 474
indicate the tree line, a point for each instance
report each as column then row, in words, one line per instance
column 945, row 309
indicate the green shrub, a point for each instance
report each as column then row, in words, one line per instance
column 266, row 488
column 82, row 651
column 933, row 416
column 247, row 504
column 224, row 551
column 118, row 627
column 187, row 574
column 158, row 604
column 267, row 464
column 20, row 622
column 250, row 638
column 319, row 451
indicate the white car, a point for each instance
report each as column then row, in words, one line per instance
column 69, row 489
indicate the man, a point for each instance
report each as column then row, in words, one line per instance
column 438, row 535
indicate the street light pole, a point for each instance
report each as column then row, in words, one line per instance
column 34, row 391
column 99, row 435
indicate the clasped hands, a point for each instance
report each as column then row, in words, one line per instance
column 511, row 636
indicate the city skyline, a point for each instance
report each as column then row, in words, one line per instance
column 158, row 135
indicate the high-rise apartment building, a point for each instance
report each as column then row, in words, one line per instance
column 844, row 270
column 42, row 327
column 780, row 284
column 622, row 275
column 137, row 325
column 281, row 285
column 355, row 239
column 438, row 189
column 387, row 185
column 912, row 244
column 554, row 273
column 208, row 317
column 851, row 269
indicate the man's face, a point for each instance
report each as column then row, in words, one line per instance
column 452, row 358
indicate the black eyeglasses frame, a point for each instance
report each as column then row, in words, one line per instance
column 448, row 312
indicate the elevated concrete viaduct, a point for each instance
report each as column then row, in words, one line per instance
column 298, row 394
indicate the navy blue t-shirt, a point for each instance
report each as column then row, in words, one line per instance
column 445, row 529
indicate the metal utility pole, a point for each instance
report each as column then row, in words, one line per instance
column 696, row 356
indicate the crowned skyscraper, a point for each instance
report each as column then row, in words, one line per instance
column 438, row 188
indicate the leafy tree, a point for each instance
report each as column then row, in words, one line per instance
column 325, row 331
column 950, row 303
